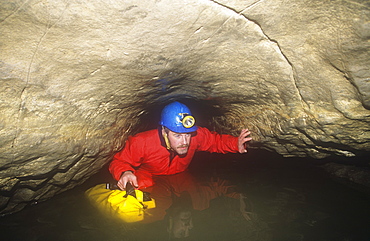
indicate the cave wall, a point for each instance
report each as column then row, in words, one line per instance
column 77, row 77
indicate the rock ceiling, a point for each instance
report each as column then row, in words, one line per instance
column 77, row 77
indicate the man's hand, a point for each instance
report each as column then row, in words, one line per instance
column 126, row 177
column 243, row 139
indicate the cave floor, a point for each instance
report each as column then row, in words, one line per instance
column 285, row 199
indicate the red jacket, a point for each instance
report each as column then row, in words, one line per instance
column 146, row 151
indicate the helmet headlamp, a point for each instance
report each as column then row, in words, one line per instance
column 187, row 121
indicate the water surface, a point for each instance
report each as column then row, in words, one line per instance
column 283, row 199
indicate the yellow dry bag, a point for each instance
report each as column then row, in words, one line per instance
column 120, row 204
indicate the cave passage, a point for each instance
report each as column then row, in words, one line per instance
column 78, row 77
column 210, row 109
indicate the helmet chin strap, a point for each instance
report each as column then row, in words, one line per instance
column 166, row 140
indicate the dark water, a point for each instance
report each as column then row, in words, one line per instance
column 285, row 200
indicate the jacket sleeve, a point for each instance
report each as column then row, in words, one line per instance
column 128, row 159
column 214, row 142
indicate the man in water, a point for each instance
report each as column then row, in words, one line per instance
column 169, row 149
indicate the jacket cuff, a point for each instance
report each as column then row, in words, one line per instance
column 124, row 172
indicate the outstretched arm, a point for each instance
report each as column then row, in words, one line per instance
column 243, row 139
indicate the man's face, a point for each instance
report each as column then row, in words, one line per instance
column 179, row 142
column 182, row 223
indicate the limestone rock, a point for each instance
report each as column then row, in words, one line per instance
column 77, row 77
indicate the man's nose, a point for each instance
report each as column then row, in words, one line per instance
column 187, row 232
column 184, row 140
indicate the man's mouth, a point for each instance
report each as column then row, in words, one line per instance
column 183, row 147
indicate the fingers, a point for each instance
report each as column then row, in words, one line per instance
column 135, row 183
column 246, row 139
column 243, row 139
column 245, row 133
column 122, row 183
column 125, row 178
column 242, row 147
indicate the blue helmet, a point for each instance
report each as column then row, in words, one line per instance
column 177, row 117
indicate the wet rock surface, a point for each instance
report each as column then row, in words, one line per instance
column 78, row 77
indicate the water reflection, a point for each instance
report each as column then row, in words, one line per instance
column 260, row 199
column 182, row 199
column 180, row 204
